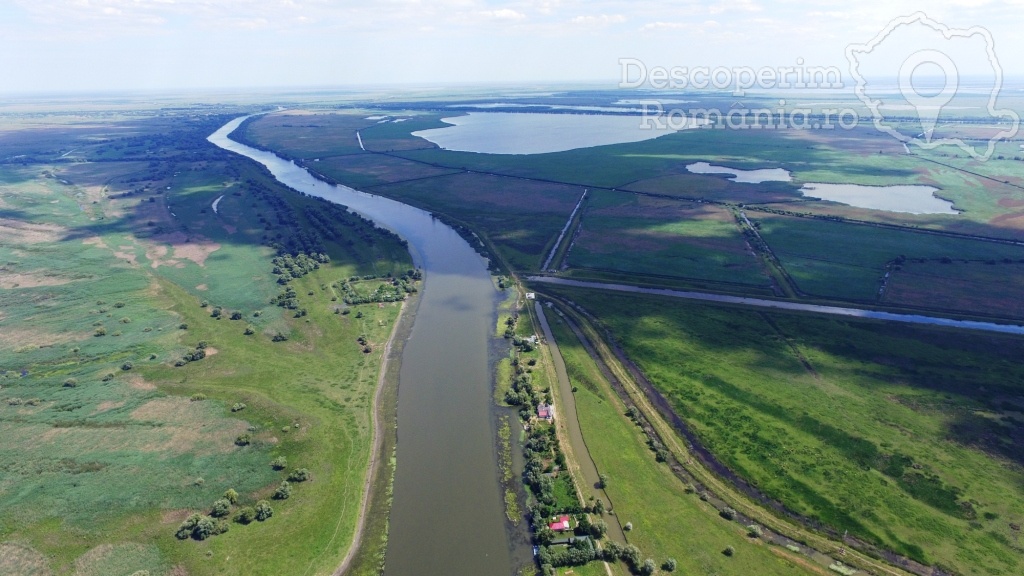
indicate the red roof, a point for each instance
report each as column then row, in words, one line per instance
column 560, row 525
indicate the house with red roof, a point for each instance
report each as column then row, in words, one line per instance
column 545, row 412
column 561, row 524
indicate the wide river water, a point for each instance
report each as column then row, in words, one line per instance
column 447, row 516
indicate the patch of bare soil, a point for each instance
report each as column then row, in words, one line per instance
column 20, row 232
column 30, row 338
column 139, row 383
column 196, row 249
column 20, row 560
column 95, row 241
column 31, row 279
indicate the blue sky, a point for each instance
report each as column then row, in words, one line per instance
column 75, row 45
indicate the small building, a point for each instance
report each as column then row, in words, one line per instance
column 545, row 411
column 561, row 524
column 531, row 296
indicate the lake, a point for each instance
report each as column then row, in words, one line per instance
column 909, row 199
column 533, row 133
column 743, row 176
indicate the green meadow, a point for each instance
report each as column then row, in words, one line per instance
column 668, row 522
column 914, row 450
column 113, row 273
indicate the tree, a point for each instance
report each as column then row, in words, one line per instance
column 185, row 528
column 220, row 508
column 299, row 475
column 204, row 528
column 754, row 531
column 631, row 555
column 602, row 481
column 283, row 492
column 246, row 515
column 231, row 496
column 598, row 529
column 599, row 507
column 728, row 513
column 669, row 565
column 263, row 510
column 279, row 463
column 648, row 567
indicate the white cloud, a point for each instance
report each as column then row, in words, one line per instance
column 599, row 20
column 505, row 14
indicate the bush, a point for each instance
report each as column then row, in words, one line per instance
column 729, row 551
column 237, row 407
column 246, row 515
column 243, row 440
column 250, row 330
column 648, row 567
column 279, row 463
column 200, row 527
column 220, row 508
column 754, row 531
column 70, row 383
column 669, row 565
column 231, row 496
column 183, row 326
column 728, row 513
column 299, row 475
column 279, row 337
column 236, row 315
column 101, row 331
column 263, row 510
column 283, row 492
column 185, row 528
column 628, row 526
column 631, row 555
column 127, row 366
column 602, row 480
column 198, row 397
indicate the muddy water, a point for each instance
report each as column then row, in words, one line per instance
column 447, row 516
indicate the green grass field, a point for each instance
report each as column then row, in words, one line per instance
column 660, row 237
column 111, row 273
column 668, row 522
column 903, row 436
column 848, row 261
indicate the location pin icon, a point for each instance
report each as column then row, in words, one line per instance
column 928, row 107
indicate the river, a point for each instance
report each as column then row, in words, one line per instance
column 447, row 516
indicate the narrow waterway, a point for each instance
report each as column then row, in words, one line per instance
column 447, row 516
column 781, row 305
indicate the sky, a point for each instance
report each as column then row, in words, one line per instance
column 100, row 45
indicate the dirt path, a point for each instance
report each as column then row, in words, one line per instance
column 375, row 456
